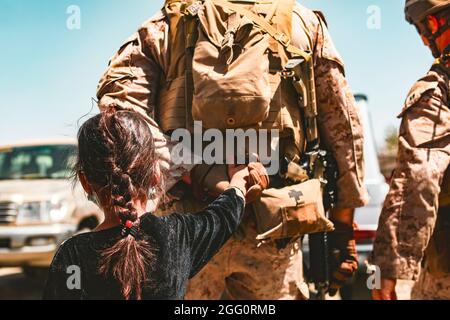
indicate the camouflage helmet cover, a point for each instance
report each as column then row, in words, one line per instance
column 417, row 10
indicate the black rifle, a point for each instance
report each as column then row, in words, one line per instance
column 319, row 268
column 321, row 165
column 318, row 164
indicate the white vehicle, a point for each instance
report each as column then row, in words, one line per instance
column 40, row 207
column 367, row 217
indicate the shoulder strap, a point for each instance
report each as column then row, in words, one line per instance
column 191, row 36
column 183, row 35
column 266, row 26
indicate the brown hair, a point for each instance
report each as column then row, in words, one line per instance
column 116, row 154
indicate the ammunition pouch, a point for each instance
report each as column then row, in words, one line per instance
column 291, row 212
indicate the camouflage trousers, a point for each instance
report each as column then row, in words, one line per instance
column 243, row 271
column 431, row 287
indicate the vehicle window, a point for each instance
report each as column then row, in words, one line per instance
column 38, row 162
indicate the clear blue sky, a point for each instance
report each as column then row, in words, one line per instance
column 49, row 73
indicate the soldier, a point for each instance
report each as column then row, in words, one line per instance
column 413, row 238
column 151, row 66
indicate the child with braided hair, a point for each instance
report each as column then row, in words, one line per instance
column 134, row 254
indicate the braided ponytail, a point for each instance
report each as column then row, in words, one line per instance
column 116, row 152
column 122, row 190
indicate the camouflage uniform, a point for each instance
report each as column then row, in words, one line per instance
column 412, row 226
column 240, row 270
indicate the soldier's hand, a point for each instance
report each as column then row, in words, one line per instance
column 258, row 181
column 344, row 258
column 387, row 291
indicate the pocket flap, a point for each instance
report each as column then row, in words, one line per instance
column 216, row 21
column 291, row 212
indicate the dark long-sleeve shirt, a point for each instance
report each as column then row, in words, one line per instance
column 182, row 245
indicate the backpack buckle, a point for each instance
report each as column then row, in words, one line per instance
column 194, row 8
column 283, row 39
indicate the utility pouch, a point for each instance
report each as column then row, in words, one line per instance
column 291, row 212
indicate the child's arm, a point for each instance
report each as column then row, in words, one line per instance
column 204, row 233
column 209, row 230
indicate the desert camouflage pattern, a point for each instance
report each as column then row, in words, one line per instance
column 411, row 230
column 431, row 286
column 131, row 82
column 243, row 271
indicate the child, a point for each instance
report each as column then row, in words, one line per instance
column 134, row 254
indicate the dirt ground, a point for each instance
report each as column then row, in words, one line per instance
column 15, row 285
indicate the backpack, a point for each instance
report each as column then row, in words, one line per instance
column 222, row 53
column 228, row 83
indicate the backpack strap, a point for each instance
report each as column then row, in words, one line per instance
column 191, row 36
column 266, row 26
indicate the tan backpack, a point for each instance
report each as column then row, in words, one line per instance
column 221, row 53
column 228, row 77
column 230, row 70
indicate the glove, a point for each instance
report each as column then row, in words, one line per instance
column 343, row 256
column 258, row 181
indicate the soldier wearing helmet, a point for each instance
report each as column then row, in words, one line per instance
column 413, row 238
column 429, row 18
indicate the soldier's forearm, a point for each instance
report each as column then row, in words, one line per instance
column 342, row 132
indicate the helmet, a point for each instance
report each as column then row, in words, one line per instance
column 417, row 10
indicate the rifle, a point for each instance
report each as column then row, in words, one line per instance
column 319, row 267
column 309, row 167
column 316, row 163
